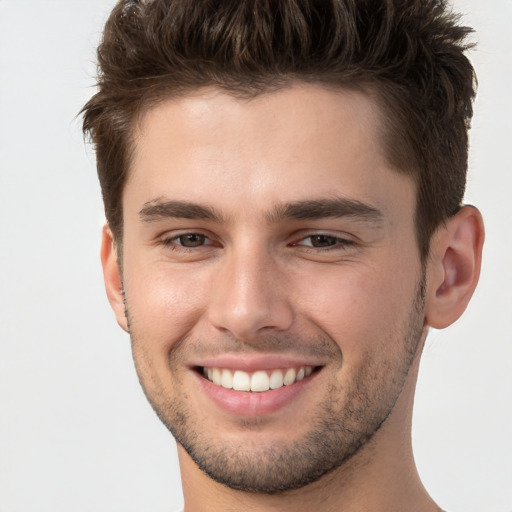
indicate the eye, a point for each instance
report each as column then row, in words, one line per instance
column 187, row 241
column 191, row 240
column 320, row 241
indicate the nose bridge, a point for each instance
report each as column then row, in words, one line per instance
column 249, row 295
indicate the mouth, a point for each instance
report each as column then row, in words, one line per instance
column 255, row 386
column 257, row 381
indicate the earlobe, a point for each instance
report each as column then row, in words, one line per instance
column 112, row 277
column 454, row 267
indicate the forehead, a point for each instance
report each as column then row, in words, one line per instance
column 289, row 116
column 286, row 145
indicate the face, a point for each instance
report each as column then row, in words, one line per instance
column 272, row 280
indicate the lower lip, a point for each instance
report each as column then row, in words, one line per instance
column 247, row 403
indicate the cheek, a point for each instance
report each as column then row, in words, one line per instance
column 361, row 309
column 164, row 305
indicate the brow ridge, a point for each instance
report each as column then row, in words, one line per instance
column 297, row 210
column 325, row 208
column 160, row 209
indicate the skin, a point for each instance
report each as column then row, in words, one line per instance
column 253, row 285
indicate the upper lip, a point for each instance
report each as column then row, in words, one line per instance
column 253, row 363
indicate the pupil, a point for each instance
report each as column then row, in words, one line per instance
column 192, row 240
column 323, row 241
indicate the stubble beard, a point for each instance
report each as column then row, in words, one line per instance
column 344, row 422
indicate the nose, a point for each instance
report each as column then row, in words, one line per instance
column 250, row 296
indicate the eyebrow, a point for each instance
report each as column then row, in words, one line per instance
column 158, row 209
column 324, row 208
column 161, row 209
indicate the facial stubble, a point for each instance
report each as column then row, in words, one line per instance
column 339, row 428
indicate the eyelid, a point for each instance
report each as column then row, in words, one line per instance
column 343, row 237
column 344, row 243
column 169, row 239
column 337, row 240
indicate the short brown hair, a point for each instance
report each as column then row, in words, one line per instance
column 408, row 54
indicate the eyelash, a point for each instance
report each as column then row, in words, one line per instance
column 171, row 242
column 338, row 242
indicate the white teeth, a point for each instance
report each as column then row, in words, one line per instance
column 257, row 382
column 226, row 379
column 289, row 376
column 241, row 381
column 217, row 377
column 260, row 381
column 276, row 379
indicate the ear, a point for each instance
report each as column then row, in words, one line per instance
column 454, row 267
column 112, row 277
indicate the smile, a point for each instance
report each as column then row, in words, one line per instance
column 258, row 381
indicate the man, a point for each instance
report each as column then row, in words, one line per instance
column 283, row 185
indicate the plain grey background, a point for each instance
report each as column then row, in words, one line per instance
column 76, row 432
